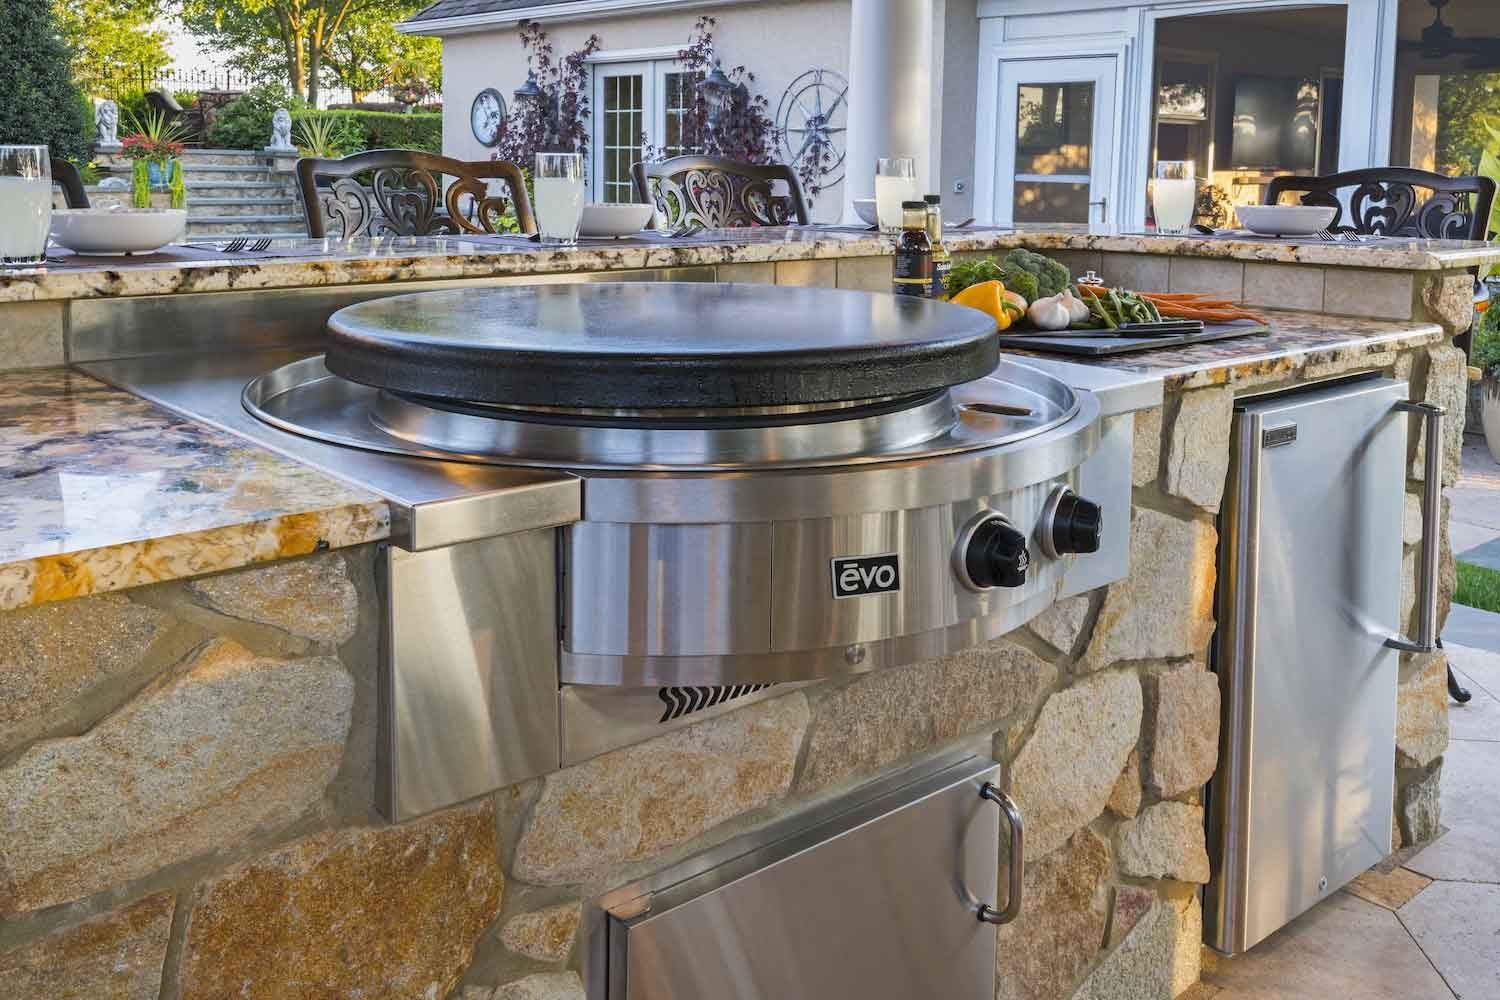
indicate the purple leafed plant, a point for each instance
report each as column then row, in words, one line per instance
column 557, row 121
column 742, row 131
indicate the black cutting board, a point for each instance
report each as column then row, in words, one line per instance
column 1097, row 347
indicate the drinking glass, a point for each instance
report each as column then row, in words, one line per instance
column 25, row 204
column 895, row 182
column 559, row 197
column 1174, row 196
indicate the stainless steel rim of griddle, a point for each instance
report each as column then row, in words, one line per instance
column 634, row 345
column 1014, row 403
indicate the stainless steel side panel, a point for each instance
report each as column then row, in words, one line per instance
column 469, row 671
column 1105, row 478
column 1311, row 559
column 878, row 903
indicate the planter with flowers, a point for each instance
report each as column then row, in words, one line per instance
column 153, row 148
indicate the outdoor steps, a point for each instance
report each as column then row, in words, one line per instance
column 266, row 203
column 291, row 224
column 235, row 192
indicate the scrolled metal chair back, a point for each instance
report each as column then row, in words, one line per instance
column 1386, row 202
column 400, row 192
column 720, row 193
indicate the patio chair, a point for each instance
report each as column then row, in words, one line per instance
column 718, row 192
column 67, row 177
column 400, row 192
column 1385, row 203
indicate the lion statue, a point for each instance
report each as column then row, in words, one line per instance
column 281, row 130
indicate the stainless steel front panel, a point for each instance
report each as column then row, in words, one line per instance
column 1311, row 557
column 879, row 902
column 469, row 671
column 668, row 590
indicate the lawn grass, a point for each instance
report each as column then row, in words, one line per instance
column 1478, row 587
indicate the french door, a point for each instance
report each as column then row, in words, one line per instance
column 1055, row 139
column 636, row 104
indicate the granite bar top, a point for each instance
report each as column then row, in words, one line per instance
column 1300, row 346
column 309, row 263
column 101, row 491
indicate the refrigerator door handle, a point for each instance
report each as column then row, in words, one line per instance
column 1432, row 499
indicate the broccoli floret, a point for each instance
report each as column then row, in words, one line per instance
column 1051, row 276
column 1019, row 280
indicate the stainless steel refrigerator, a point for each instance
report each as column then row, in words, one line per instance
column 1307, row 649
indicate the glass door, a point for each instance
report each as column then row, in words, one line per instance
column 635, row 104
column 1055, row 140
column 622, row 95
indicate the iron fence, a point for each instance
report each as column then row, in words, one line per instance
column 117, row 81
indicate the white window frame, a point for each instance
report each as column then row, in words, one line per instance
column 1129, row 31
column 653, row 66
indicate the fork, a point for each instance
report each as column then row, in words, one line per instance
column 1326, row 236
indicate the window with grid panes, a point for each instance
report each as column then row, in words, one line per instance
column 622, row 117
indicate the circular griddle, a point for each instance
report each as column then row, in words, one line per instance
column 659, row 345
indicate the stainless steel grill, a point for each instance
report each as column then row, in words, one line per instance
column 771, row 486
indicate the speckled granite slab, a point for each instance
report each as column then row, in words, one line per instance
column 101, row 491
column 363, row 261
column 1305, row 345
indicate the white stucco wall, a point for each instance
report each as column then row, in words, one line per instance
column 777, row 41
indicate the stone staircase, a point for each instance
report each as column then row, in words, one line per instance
column 239, row 192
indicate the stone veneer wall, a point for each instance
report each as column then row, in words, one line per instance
column 186, row 776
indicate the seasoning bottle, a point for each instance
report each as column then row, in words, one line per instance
column 913, row 274
column 942, row 262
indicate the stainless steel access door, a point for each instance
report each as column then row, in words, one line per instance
column 1311, row 591
column 882, row 901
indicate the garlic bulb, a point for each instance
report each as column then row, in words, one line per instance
column 1050, row 313
column 1078, row 310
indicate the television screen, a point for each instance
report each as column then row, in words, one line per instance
column 1275, row 123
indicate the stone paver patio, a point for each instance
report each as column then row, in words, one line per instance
column 1426, row 925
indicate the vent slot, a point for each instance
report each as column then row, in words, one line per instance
column 683, row 701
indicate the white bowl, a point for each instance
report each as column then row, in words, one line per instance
column 865, row 209
column 613, row 220
column 1285, row 220
column 116, row 230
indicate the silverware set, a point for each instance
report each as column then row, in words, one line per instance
column 235, row 246
column 1340, row 237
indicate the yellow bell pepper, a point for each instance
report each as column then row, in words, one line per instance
column 991, row 298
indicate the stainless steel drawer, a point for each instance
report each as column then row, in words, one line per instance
column 881, row 899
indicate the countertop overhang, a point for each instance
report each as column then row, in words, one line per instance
column 314, row 263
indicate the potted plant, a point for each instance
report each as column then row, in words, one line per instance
column 153, row 147
column 1484, row 354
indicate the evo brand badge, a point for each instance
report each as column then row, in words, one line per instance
column 860, row 576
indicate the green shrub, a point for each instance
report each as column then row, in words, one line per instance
column 133, row 108
column 41, row 103
column 383, row 129
column 1484, row 350
column 246, row 122
column 325, row 134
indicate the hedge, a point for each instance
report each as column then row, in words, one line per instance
column 390, row 130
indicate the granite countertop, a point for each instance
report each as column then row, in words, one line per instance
column 1301, row 345
column 309, row 263
column 100, row 491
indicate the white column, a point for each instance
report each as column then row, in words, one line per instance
column 890, row 92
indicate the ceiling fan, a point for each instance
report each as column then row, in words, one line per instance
column 1439, row 41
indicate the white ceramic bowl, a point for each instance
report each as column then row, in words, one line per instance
column 116, row 230
column 613, row 220
column 865, row 209
column 1285, row 220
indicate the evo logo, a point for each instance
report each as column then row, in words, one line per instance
column 860, row 576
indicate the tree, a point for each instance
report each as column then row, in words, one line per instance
column 372, row 55
column 110, row 39
column 294, row 35
column 1465, row 102
column 556, row 120
column 42, row 103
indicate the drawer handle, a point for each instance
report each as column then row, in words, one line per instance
column 1017, row 866
column 1432, row 494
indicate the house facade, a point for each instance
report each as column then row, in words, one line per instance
column 1017, row 110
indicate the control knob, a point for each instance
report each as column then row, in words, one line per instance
column 992, row 553
column 1071, row 524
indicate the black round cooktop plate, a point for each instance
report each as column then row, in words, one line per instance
column 657, row 345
